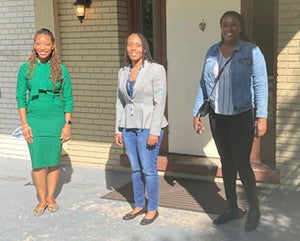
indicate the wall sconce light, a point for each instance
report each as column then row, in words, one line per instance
column 79, row 8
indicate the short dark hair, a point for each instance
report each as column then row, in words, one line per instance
column 240, row 19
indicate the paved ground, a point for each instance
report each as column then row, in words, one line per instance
column 85, row 216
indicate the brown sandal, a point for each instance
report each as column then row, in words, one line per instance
column 39, row 211
column 53, row 208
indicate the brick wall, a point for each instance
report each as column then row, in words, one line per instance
column 16, row 34
column 288, row 92
column 93, row 52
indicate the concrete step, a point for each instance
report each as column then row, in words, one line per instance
column 209, row 167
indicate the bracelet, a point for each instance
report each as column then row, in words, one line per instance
column 68, row 122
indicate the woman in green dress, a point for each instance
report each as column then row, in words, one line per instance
column 45, row 105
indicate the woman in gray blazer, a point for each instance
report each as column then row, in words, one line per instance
column 140, row 120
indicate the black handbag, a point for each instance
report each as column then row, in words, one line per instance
column 205, row 107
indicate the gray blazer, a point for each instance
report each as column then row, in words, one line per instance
column 145, row 110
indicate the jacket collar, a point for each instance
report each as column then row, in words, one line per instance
column 238, row 47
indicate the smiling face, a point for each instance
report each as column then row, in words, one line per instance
column 43, row 46
column 135, row 49
column 230, row 29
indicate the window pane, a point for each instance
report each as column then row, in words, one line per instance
column 147, row 23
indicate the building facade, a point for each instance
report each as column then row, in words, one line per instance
column 93, row 51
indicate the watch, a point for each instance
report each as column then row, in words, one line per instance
column 68, row 122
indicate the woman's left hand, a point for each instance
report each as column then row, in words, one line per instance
column 152, row 140
column 66, row 133
column 261, row 127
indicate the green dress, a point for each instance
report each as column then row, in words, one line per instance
column 45, row 111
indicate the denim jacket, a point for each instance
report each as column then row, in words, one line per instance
column 249, row 79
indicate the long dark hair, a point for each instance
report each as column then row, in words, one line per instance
column 146, row 49
column 240, row 19
column 54, row 59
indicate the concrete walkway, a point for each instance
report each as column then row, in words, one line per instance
column 85, row 216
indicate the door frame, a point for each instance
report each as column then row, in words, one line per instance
column 268, row 147
column 160, row 49
column 268, row 142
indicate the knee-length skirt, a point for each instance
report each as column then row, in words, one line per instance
column 45, row 116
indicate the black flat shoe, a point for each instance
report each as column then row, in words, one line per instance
column 252, row 220
column 130, row 216
column 229, row 214
column 146, row 221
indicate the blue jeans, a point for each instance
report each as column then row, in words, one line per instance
column 143, row 161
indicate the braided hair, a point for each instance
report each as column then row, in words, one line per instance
column 56, row 70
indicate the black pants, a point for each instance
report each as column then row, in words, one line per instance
column 233, row 136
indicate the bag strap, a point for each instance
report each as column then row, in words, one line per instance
column 219, row 74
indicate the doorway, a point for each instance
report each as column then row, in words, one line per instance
column 261, row 24
column 151, row 18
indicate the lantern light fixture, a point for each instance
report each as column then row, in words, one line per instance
column 79, row 8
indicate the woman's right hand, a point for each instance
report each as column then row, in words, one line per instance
column 27, row 133
column 119, row 139
column 198, row 125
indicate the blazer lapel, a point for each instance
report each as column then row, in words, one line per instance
column 141, row 78
column 123, row 81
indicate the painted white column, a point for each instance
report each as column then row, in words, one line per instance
column 46, row 16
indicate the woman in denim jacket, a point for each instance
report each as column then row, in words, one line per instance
column 238, row 111
column 140, row 120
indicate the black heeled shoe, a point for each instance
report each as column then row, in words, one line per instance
column 146, row 221
column 229, row 214
column 252, row 220
column 130, row 216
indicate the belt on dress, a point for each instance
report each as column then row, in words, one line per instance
column 45, row 92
